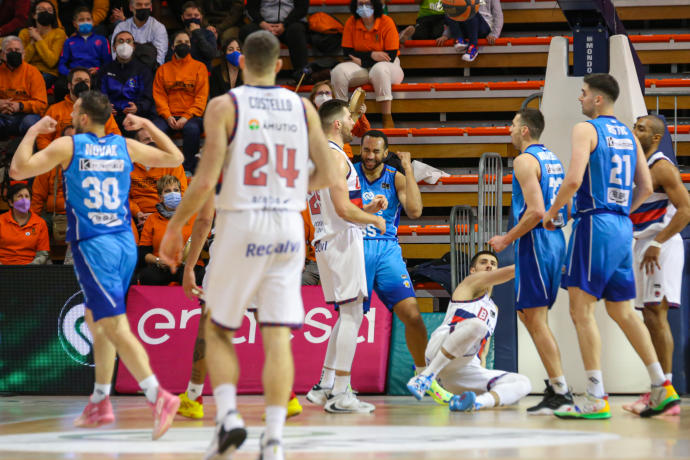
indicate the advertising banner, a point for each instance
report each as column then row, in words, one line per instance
column 166, row 323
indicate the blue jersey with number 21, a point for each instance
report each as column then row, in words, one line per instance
column 97, row 187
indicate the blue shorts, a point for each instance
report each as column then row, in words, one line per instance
column 386, row 272
column 104, row 266
column 539, row 258
column 600, row 257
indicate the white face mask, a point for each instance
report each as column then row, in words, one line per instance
column 321, row 98
column 124, row 50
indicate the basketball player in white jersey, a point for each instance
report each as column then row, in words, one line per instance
column 658, row 253
column 452, row 354
column 336, row 213
column 261, row 138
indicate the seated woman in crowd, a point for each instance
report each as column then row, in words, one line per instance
column 155, row 272
column 23, row 234
column 226, row 75
column 371, row 41
column 43, row 41
column 322, row 92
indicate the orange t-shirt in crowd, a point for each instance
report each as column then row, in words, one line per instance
column 154, row 229
column 18, row 245
column 383, row 36
column 308, row 234
column 143, row 194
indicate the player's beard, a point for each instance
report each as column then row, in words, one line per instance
column 346, row 134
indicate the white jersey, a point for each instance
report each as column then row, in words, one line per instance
column 327, row 222
column 266, row 167
column 656, row 212
column 483, row 308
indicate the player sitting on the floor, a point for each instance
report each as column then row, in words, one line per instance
column 453, row 349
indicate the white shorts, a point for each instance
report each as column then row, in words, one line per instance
column 256, row 258
column 462, row 373
column 667, row 282
column 341, row 267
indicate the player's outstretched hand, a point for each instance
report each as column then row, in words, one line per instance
column 133, row 122
column 650, row 259
column 45, row 125
column 498, row 243
column 381, row 224
column 171, row 248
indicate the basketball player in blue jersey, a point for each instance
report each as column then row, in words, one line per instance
column 606, row 161
column 539, row 253
column 97, row 179
column 659, row 254
column 385, row 268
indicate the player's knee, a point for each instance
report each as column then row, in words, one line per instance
column 407, row 311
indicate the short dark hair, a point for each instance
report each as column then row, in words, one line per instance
column 481, row 253
column 376, row 133
column 261, row 50
column 179, row 32
column 656, row 124
column 53, row 24
column 329, row 112
column 17, row 187
column 377, row 4
column 534, row 120
column 191, row 4
column 74, row 70
column 81, row 9
column 96, row 105
column 605, row 84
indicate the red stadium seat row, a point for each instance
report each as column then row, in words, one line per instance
column 525, row 41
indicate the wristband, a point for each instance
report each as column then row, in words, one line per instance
column 655, row 244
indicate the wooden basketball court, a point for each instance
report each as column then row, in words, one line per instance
column 40, row 427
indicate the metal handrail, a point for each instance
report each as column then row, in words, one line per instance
column 490, row 209
column 461, row 216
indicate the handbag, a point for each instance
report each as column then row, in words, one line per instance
column 59, row 224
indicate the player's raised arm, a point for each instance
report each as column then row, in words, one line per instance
column 25, row 165
column 408, row 191
column 325, row 171
column 165, row 155
column 642, row 179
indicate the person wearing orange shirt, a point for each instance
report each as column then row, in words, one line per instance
column 371, row 42
column 23, row 234
column 155, row 272
column 180, row 91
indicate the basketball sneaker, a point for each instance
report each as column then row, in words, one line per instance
column 271, row 449
column 191, row 408
column 661, row 400
column 439, row 394
column 639, row 405
column 589, row 408
column 463, row 402
column 318, row 395
column 418, row 385
column 96, row 414
column 551, row 402
column 227, row 437
column 347, row 403
column 471, row 53
column 461, row 45
column 163, row 412
column 293, row 407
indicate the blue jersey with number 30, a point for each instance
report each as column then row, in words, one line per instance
column 608, row 180
column 97, row 187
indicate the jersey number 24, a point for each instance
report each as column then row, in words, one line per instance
column 253, row 174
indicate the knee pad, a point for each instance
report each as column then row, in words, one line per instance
column 352, row 312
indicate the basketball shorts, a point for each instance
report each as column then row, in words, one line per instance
column 104, row 266
column 256, row 258
column 539, row 258
column 341, row 267
column 600, row 259
column 386, row 272
column 665, row 282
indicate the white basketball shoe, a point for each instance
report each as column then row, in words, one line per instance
column 318, row 395
column 347, row 403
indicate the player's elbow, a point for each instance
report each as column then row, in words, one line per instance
column 414, row 212
column 16, row 174
column 571, row 183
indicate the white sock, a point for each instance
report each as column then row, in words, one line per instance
column 226, row 399
column 558, row 384
column 595, row 383
column 328, row 372
column 486, row 400
column 511, row 388
column 275, row 419
column 194, row 390
column 340, row 384
column 327, row 378
column 656, row 374
column 100, row 392
column 150, row 386
column 669, row 376
column 437, row 364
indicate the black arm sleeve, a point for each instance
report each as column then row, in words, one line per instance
column 365, row 56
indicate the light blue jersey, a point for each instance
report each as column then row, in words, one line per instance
column 384, row 185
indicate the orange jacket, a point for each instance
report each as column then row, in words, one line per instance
column 154, row 229
column 44, row 54
column 24, row 84
column 308, row 233
column 18, row 245
column 383, row 36
column 143, row 194
column 180, row 88
column 62, row 113
column 42, row 197
column 359, row 129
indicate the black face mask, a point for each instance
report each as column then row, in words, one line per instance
column 14, row 59
column 44, row 18
column 80, row 88
column 187, row 22
column 142, row 14
column 182, row 50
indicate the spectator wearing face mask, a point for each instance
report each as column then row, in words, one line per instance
column 78, row 80
column 23, row 234
column 127, row 82
column 145, row 29
column 180, row 90
column 143, row 194
column 23, row 97
column 204, row 39
column 43, row 41
column 85, row 49
column 226, row 75
column 154, row 271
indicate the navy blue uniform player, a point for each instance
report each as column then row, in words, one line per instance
column 606, row 160
column 97, row 179
column 539, row 253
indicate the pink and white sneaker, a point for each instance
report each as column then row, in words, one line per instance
column 639, row 405
column 163, row 412
column 96, row 414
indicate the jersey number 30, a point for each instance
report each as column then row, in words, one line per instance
column 252, row 171
column 101, row 193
